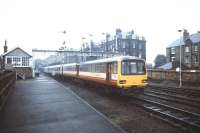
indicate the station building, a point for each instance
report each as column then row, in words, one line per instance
column 19, row 60
column 190, row 51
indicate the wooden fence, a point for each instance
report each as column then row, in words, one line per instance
column 7, row 80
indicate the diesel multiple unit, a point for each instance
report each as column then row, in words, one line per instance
column 126, row 72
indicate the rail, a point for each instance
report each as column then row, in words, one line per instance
column 7, row 80
column 173, row 98
column 177, row 115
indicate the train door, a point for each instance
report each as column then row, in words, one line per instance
column 62, row 69
column 108, row 71
column 77, row 70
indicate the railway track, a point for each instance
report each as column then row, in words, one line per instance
column 166, row 112
column 177, row 115
column 173, row 98
column 191, row 93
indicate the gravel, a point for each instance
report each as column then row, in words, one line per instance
column 128, row 116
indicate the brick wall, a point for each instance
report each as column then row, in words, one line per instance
column 187, row 76
column 7, row 80
column 25, row 72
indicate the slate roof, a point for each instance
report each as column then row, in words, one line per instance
column 166, row 66
column 15, row 49
column 195, row 38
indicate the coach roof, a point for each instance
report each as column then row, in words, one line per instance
column 113, row 59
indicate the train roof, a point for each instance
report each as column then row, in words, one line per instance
column 71, row 64
column 53, row 66
column 113, row 59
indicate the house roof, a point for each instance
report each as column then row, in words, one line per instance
column 195, row 38
column 166, row 66
column 15, row 49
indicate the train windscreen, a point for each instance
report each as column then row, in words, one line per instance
column 133, row 67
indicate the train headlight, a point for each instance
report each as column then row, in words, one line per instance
column 122, row 81
column 144, row 81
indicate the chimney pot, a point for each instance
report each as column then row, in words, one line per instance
column 5, row 47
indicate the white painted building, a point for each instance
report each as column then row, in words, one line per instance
column 19, row 60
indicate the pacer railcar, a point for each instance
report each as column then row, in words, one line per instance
column 126, row 72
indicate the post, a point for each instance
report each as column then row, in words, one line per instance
column 116, row 48
column 180, row 78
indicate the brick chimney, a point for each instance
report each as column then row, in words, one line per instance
column 5, row 47
column 186, row 35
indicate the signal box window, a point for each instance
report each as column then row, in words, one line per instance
column 9, row 60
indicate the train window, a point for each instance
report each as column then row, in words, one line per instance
column 100, row 68
column 69, row 68
column 114, row 68
column 103, row 68
column 97, row 68
column 141, row 67
column 93, row 68
column 133, row 67
column 85, row 68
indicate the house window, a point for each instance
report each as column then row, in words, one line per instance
column 124, row 45
column 16, row 61
column 140, row 55
column 196, row 48
column 9, row 60
column 172, row 58
column 133, row 45
column 25, row 61
column 187, row 49
column 172, row 50
column 195, row 59
column 140, row 46
column 187, row 59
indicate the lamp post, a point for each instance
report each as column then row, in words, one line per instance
column 82, row 48
column 90, row 36
column 104, row 45
column 63, row 49
column 116, row 45
column 180, row 78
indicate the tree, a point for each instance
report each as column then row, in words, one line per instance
column 160, row 60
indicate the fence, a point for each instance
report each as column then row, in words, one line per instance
column 187, row 75
column 7, row 80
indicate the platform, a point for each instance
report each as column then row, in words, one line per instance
column 43, row 105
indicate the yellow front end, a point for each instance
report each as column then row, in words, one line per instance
column 132, row 81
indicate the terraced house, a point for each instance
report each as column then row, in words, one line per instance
column 121, row 43
column 125, row 43
column 190, row 51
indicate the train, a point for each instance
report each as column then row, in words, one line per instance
column 124, row 72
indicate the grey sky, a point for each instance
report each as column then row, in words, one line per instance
column 37, row 23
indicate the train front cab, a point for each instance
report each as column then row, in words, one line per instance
column 132, row 74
